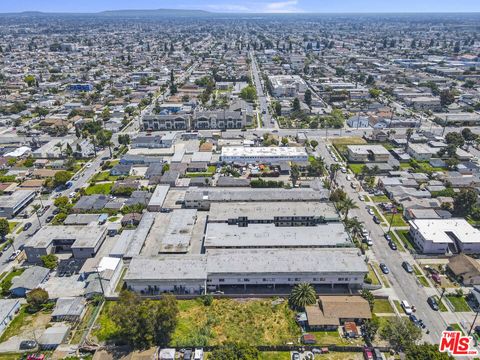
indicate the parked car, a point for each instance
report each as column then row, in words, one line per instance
column 28, row 345
column 384, row 268
column 187, row 354
column 413, row 319
column 49, row 218
column 433, row 303
column 295, row 356
column 370, row 211
column 368, row 240
column 408, row 268
column 361, row 198
column 406, row 307
column 27, row 226
column 376, row 220
column 388, row 237
column 14, row 255
column 368, row 354
column 392, row 245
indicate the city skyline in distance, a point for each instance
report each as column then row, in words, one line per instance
column 249, row 6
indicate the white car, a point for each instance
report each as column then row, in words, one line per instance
column 343, row 170
column 349, row 178
column 88, row 165
column 14, row 255
column 406, row 307
column 370, row 211
column 361, row 198
column 72, row 195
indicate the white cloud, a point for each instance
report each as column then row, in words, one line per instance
column 290, row 6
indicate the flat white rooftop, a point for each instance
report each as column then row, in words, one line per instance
column 222, row 235
column 442, row 230
column 262, row 152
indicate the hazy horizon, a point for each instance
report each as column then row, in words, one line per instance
column 236, row 6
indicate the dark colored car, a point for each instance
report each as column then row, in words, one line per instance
column 28, row 345
column 49, row 218
column 392, row 245
column 27, row 226
column 187, row 355
column 56, row 211
column 388, row 237
column 384, row 268
column 433, row 303
column 408, row 268
column 376, row 220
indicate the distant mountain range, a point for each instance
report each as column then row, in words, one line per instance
column 121, row 13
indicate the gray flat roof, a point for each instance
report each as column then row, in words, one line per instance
column 69, row 306
column 14, row 199
column 84, row 236
column 246, row 194
column 285, row 261
column 6, row 306
column 159, row 195
column 30, row 278
column 250, row 261
column 167, row 267
column 269, row 210
column 269, row 235
column 140, row 234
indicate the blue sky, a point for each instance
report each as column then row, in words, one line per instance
column 273, row 6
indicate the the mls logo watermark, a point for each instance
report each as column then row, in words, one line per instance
column 456, row 344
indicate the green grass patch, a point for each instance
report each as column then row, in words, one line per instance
column 11, row 275
column 398, row 306
column 332, row 338
column 103, row 188
column 423, row 281
column 373, row 276
column 12, row 225
column 356, row 168
column 457, row 327
column 459, row 303
column 380, row 199
column 24, row 321
column 382, row 306
column 416, row 270
column 396, row 219
column 105, row 328
column 275, row 355
column 255, row 322
column 405, row 237
column 104, row 176
column 83, row 325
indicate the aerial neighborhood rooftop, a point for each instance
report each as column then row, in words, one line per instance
column 179, row 180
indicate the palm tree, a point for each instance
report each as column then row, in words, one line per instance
column 409, row 135
column 346, row 205
column 354, row 226
column 37, row 207
column 294, row 174
column 302, row 294
column 333, row 171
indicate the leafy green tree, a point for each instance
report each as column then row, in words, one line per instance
column 346, row 205
column 425, row 352
column 465, row 201
column 284, row 141
column 447, row 97
column 367, row 295
column 468, row 135
column 296, row 105
column 235, row 352
column 61, row 178
column 49, row 261
column 308, row 97
column 455, row 138
column 338, row 195
column 248, row 93
column 61, row 202
column 375, row 93
column 36, row 299
column 302, row 294
column 401, row 333
column 294, row 173
column 30, row 80
column 371, row 327
column 4, row 228
column 278, row 108
column 314, row 144
column 144, row 323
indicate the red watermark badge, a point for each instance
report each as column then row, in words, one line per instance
column 456, row 344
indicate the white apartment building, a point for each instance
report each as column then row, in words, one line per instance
column 440, row 236
column 263, row 154
column 287, row 85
